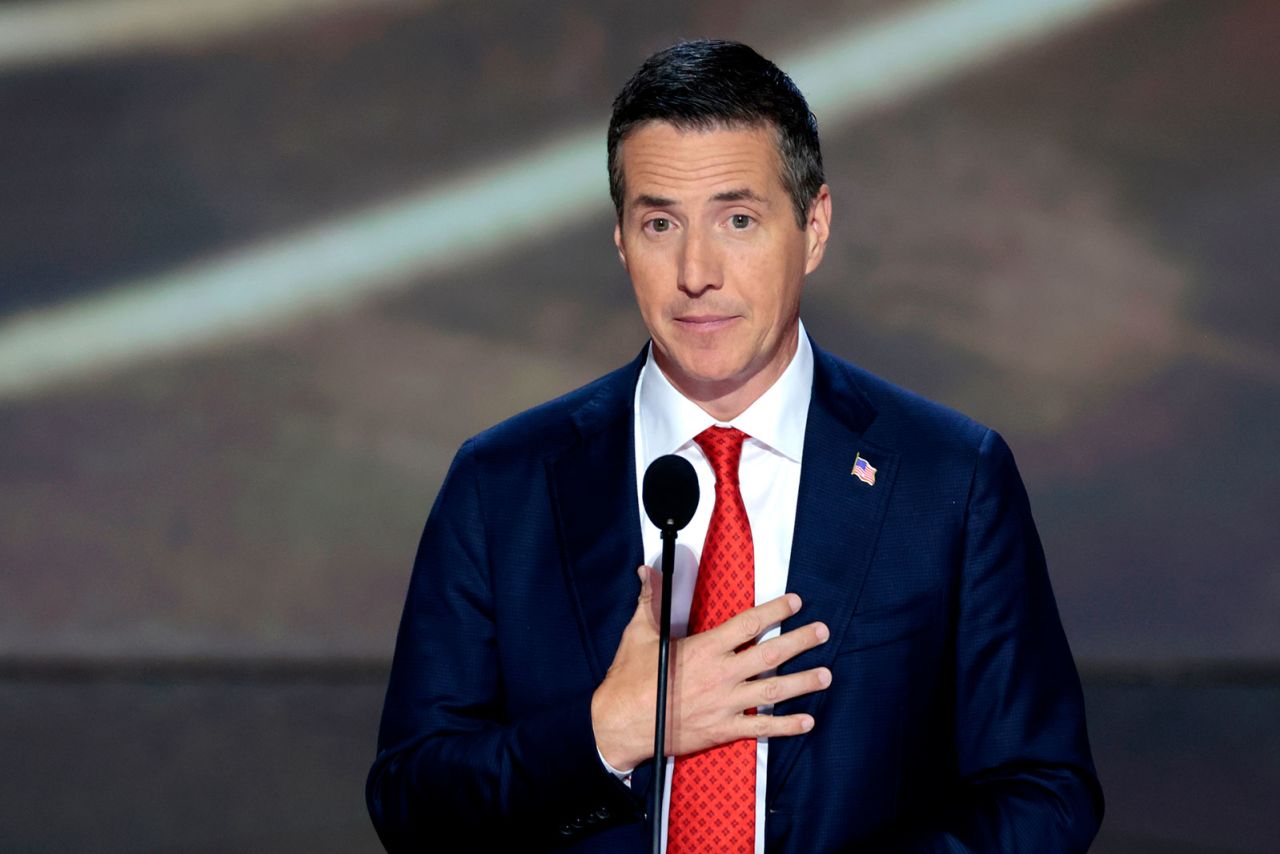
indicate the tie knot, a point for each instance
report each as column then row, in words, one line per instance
column 723, row 447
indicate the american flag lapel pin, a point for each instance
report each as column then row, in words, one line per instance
column 864, row 471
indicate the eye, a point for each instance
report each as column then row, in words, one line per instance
column 658, row 224
column 740, row 221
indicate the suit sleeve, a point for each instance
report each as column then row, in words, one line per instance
column 1027, row 780
column 450, row 758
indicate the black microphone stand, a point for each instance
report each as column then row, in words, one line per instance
column 664, row 648
column 670, row 499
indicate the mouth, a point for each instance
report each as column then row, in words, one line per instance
column 704, row 323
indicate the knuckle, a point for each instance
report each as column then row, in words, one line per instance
column 770, row 655
column 751, row 624
column 808, row 637
column 772, row 691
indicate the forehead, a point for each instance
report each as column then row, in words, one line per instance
column 658, row 158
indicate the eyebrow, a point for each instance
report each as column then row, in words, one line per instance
column 647, row 201
column 742, row 194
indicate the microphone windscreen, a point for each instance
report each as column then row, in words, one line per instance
column 670, row 492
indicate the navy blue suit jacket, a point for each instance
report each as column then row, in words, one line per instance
column 954, row 721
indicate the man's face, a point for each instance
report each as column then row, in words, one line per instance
column 710, row 240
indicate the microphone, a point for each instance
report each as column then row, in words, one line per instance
column 670, row 498
column 670, row 492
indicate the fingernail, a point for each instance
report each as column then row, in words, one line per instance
column 806, row 724
column 794, row 601
column 824, row 677
column 822, row 632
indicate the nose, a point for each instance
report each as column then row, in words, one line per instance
column 699, row 263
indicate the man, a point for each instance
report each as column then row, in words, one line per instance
column 874, row 659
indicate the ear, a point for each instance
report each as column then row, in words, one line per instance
column 817, row 229
column 617, row 241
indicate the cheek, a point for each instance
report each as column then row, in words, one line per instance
column 762, row 278
column 650, row 272
column 648, row 290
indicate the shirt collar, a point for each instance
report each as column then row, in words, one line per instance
column 669, row 420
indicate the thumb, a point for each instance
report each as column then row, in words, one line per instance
column 647, row 603
column 646, row 585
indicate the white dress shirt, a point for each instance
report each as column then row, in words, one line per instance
column 666, row 422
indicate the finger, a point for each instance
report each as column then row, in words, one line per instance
column 773, row 652
column 652, row 602
column 646, row 583
column 771, row 726
column 646, row 615
column 776, row 689
column 753, row 622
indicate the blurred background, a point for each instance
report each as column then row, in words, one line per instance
column 264, row 264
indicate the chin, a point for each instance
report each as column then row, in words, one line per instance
column 702, row 364
column 704, row 372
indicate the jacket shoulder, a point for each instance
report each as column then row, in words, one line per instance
column 558, row 423
column 906, row 420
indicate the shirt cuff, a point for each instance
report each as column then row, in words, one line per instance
column 624, row 776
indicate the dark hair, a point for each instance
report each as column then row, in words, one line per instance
column 705, row 84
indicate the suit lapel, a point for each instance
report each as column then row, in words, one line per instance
column 838, row 519
column 593, row 486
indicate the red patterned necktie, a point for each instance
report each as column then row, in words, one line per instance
column 713, row 792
